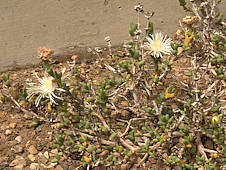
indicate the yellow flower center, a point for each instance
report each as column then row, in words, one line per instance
column 48, row 85
column 157, row 45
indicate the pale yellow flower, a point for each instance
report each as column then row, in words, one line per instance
column 157, row 45
column 45, row 89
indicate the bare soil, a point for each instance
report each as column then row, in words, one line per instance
column 17, row 137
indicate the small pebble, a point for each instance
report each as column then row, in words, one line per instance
column 52, row 165
column 54, row 151
column 34, row 166
column 32, row 150
column 18, row 139
column 14, row 162
column 18, row 163
column 165, row 155
column 8, row 132
column 31, row 157
column 46, row 154
column 17, row 149
column 74, row 57
column 83, row 71
column 42, row 159
column 125, row 104
column 27, row 144
column 12, row 125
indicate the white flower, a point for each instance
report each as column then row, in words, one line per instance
column 45, row 89
column 158, row 45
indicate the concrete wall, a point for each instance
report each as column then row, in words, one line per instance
column 65, row 25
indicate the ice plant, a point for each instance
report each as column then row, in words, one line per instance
column 157, row 45
column 45, row 89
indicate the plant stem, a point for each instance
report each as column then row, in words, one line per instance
column 156, row 66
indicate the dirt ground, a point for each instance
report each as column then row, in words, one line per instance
column 26, row 147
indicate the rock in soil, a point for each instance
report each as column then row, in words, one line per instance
column 18, row 163
column 46, row 154
column 18, row 139
column 17, row 149
column 34, row 166
column 12, row 125
column 31, row 157
column 8, row 132
column 32, row 150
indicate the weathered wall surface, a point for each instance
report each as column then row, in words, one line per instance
column 59, row 24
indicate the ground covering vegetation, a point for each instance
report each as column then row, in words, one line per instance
column 157, row 103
